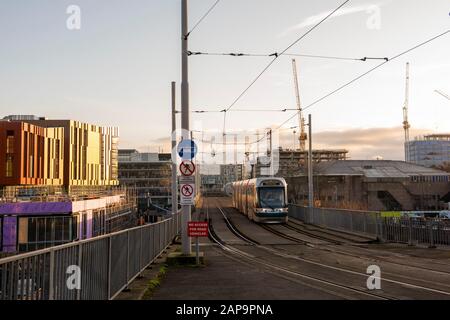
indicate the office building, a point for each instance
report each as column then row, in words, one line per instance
column 150, row 174
column 430, row 151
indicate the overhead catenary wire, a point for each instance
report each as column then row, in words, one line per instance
column 366, row 73
column 202, row 18
column 340, row 88
column 233, row 54
column 245, row 110
column 277, row 55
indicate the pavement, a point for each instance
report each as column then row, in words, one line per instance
column 225, row 278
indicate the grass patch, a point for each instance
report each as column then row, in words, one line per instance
column 155, row 283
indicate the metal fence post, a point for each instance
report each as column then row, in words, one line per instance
column 108, row 285
column 80, row 261
column 431, row 235
column 141, row 249
column 351, row 221
column 51, row 291
column 128, row 257
column 381, row 223
column 410, row 242
column 365, row 222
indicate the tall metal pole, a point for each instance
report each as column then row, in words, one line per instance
column 174, row 145
column 185, row 125
column 310, row 168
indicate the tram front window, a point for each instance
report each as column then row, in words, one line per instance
column 271, row 197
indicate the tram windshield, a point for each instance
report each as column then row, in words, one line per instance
column 271, row 197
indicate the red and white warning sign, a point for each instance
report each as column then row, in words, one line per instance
column 197, row 229
column 187, row 193
column 187, row 168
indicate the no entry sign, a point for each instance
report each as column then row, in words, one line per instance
column 187, row 193
column 197, row 229
column 187, row 190
column 187, row 168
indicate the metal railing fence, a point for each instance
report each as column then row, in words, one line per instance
column 415, row 231
column 361, row 222
column 412, row 231
column 95, row 269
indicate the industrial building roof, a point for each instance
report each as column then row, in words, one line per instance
column 376, row 169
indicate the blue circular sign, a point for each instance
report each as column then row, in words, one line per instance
column 187, row 149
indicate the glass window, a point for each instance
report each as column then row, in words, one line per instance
column 10, row 141
column 9, row 166
column 271, row 197
column 43, row 232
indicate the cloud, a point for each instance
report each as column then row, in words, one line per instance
column 362, row 143
column 386, row 143
column 313, row 20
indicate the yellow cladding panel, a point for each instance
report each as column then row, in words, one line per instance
column 92, row 155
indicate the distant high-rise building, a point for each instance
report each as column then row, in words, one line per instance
column 430, row 150
column 231, row 172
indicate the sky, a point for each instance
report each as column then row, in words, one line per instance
column 117, row 68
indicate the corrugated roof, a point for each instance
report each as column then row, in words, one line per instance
column 376, row 169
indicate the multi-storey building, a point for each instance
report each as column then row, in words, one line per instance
column 91, row 152
column 150, row 174
column 430, row 151
column 59, row 183
column 45, row 220
column 231, row 172
column 293, row 162
column 30, row 155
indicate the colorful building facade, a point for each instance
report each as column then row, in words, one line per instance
column 92, row 152
column 30, row 155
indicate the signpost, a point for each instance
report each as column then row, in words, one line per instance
column 197, row 229
column 187, row 149
column 187, row 168
column 187, row 191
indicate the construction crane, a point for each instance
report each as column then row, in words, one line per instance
column 301, row 120
column 406, row 124
column 442, row 94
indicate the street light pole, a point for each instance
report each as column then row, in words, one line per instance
column 185, row 125
column 174, row 155
column 310, row 164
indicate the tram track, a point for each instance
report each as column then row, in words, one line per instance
column 368, row 255
column 322, row 265
column 368, row 251
column 230, row 250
